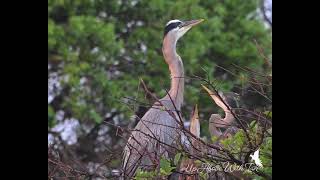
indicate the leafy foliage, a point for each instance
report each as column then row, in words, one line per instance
column 165, row 167
column 142, row 175
column 100, row 48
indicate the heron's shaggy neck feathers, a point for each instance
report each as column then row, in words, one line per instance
column 176, row 70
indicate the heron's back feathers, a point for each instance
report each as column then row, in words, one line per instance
column 156, row 131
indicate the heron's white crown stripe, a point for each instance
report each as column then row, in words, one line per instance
column 173, row 21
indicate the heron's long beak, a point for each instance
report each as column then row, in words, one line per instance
column 191, row 23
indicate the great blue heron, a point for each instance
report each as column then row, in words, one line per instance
column 157, row 128
column 225, row 102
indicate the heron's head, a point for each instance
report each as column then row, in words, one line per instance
column 214, row 118
column 177, row 28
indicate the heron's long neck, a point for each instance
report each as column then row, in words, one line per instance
column 176, row 70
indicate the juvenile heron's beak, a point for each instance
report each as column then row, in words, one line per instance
column 191, row 23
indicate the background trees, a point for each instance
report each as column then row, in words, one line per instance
column 98, row 50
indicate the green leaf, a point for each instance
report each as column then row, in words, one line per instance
column 268, row 114
column 214, row 138
column 177, row 158
column 226, row 142
column 51, row 117
column 198, row 162
column 96, row 117
column 143, row 175
column 165, row 166
column 164, row 163
column 252, row 124
column 203, row 175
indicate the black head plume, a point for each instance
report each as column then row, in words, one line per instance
column 171, row 25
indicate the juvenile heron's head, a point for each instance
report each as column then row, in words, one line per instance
column 177, row 28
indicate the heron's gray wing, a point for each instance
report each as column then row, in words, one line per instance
column 149, row 140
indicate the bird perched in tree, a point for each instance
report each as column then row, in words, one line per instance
column 216, row 122
column 157, row 130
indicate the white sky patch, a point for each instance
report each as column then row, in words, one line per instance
column 68, row 130
column 122, row 51
column 143, row 48
column 54, row 86
column 50, row 98
column 186, row 124
column 130, row 24
column 87, row 127
column 103, row 130
column 103, row 14
column 140, row 23
column 83, row 80
column 116, row 120
column 95, row 50
column 59, row 115
column 50, row 139
column 134, row 2
column 116, row 63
